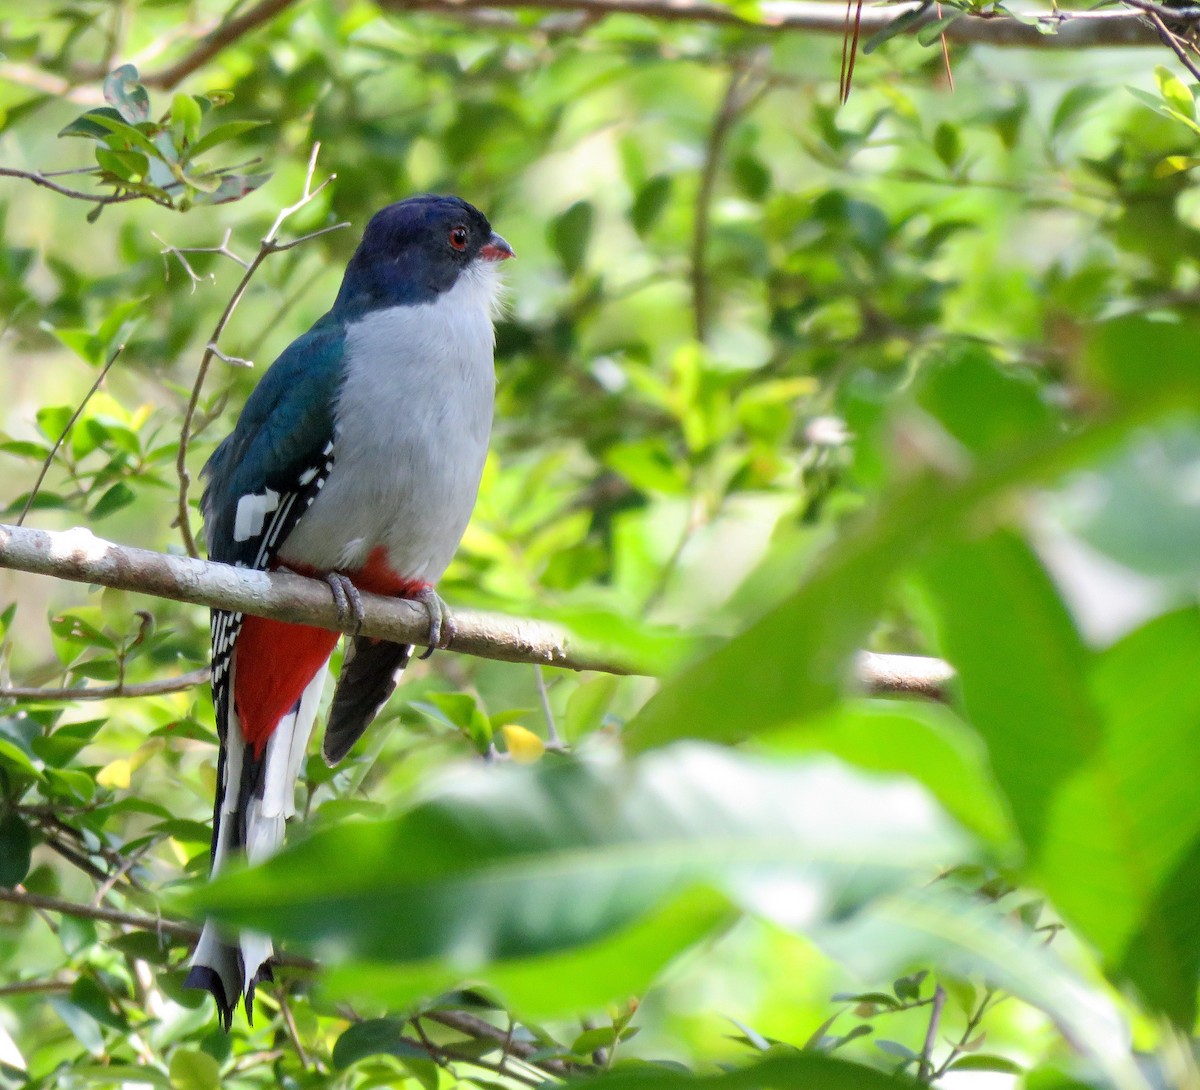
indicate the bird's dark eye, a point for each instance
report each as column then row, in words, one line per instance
column 458, row 238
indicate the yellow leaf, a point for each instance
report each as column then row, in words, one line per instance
column 523, row 745
column 115, row 774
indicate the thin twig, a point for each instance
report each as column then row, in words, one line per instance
column 41, row 477
column 109, row 692
column 73, row 857
column 946, row 55
column 35, row 987
column 552, row 736
column 38, row 178
column 854, row 11
column 158, row 925
column 57, row 905
column 79, row 556
column 989, row 998
column 266, row 248
column 471, row 1025
column 747, row 83
column 122, row 869
column 289, row 1021
column 925, row 1068
column 1172, row 41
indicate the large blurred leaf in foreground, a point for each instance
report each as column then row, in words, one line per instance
column 801, row 1071
column 581, row 978
column 795, row 661
column 1095, row 751
column 926, row 741
column 509, row 862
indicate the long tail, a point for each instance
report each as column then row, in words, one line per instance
column 255, row 797
column 370, row 671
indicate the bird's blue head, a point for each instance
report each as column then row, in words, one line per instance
column 414, row 250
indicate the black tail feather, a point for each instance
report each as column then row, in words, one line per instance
column 211, row 980
column 369, row 674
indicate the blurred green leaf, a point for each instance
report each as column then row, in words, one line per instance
column 582, row 978
column 223, row 133
column 801, row 1071
column 194, row 1070
column 650, row 202
column 373, row 1037
column 16, row 848
column 570, row 234
column 517, row 862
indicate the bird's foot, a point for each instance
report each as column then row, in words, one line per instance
column 441, row 624
column 346, row 599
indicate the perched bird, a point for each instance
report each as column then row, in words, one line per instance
column 357, row 459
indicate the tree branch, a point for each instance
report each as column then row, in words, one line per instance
column 108, row 692
column 224, row 34
column 189, row 932
column 266, row 248
column 46, row 182
column 1075, row 29
column 80, row 556
column 96, row 912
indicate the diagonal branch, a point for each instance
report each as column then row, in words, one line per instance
column 269, row 245
column 220, row 37
column 80, row 556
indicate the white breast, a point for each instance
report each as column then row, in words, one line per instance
column 412, row 424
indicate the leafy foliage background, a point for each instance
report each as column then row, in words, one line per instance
column 779, row 380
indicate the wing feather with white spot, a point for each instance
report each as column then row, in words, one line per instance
column 263, row 478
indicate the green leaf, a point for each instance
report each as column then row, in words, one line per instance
column 130, row 136
column 903, row 22
column 185, row 119
column 123, row 91
column 192, row 1069
column 584, row 978
column 983, row 1061
column 797, row 659
column 650, row 202
column 16, row 847
column 118, row 496
column 965, row 377
column 570, row 234
column 84, row 1028
column 947, row 144
column 1174, row 92
column 374, row 1037
column 233, row 187
column 931, row 32
column 752, row 176
column 88, row 125
column 221, row 134
column 799, row 1071
column 926, row 741
column 126, row 165
column 591, row 1039
column 1092, row 753
column 1073, row 105
column 1133, row 890
column 1022, row 670
column 515, row 862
